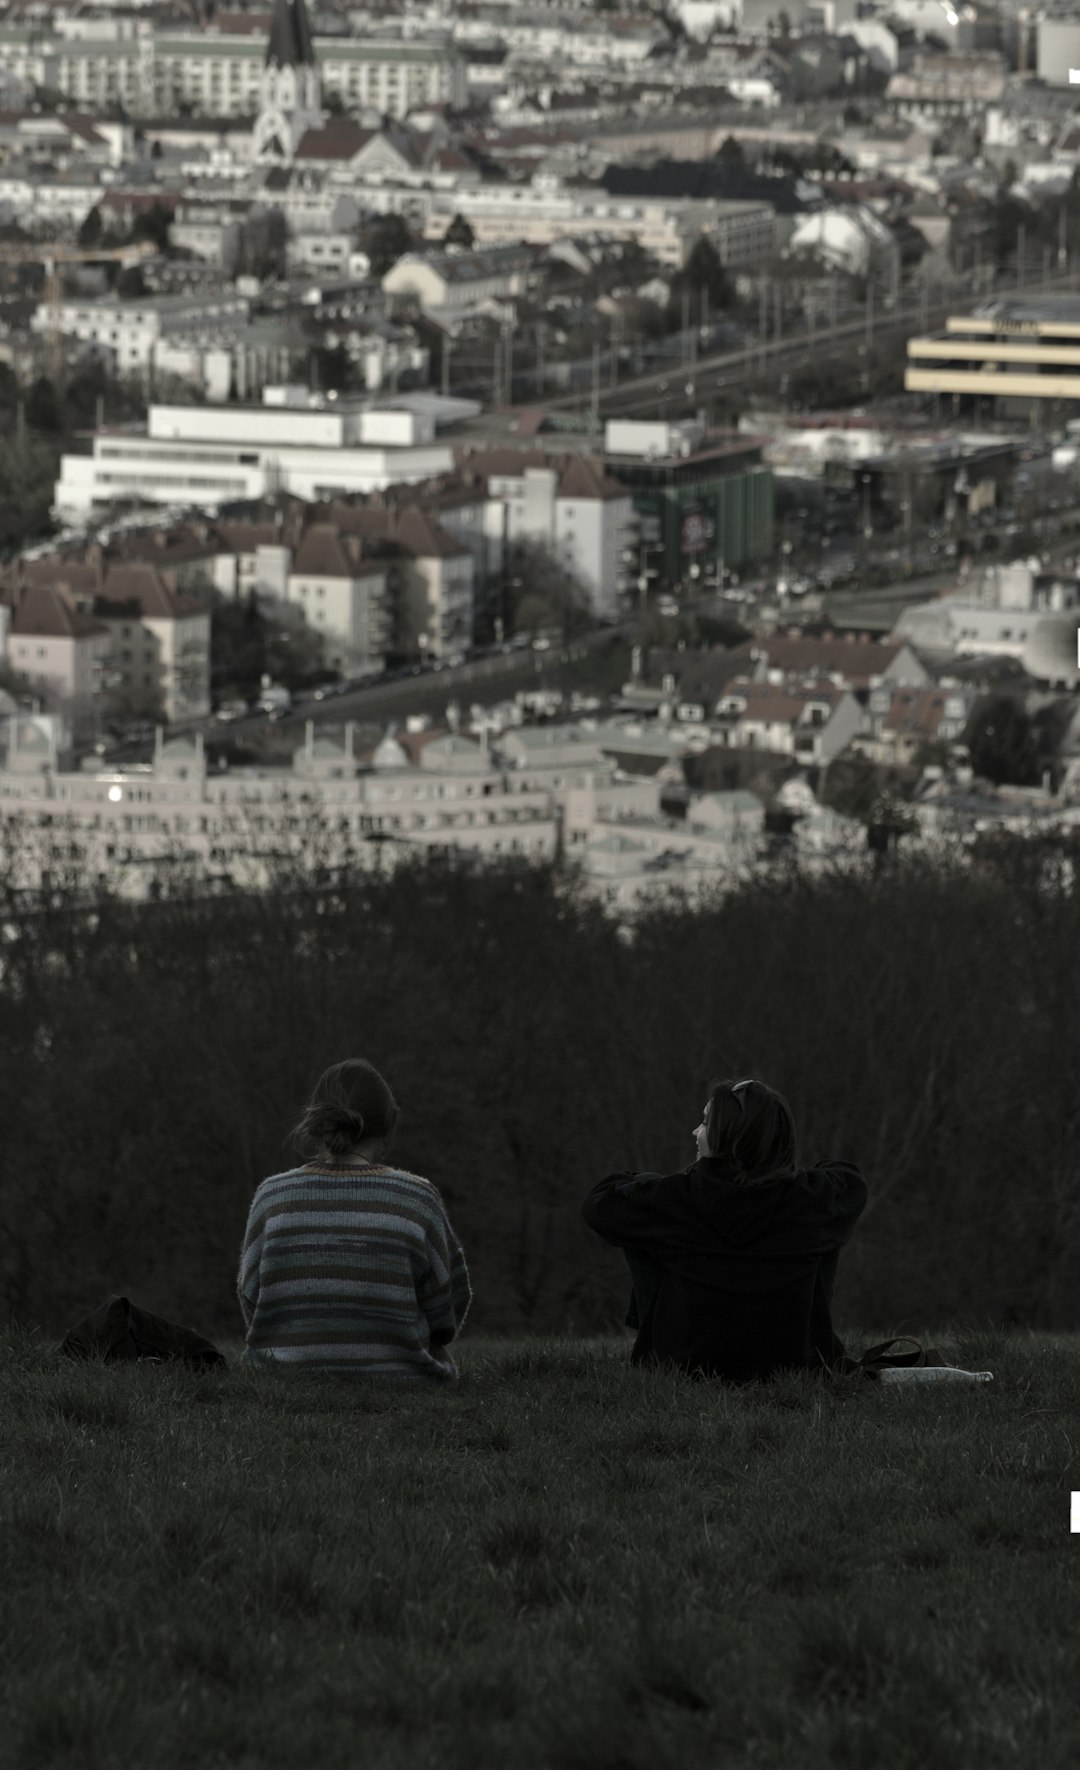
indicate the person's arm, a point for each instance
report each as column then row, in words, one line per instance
column 846, row 1193
column 247, row 1281
column 623, row 1209
column 444, row 1292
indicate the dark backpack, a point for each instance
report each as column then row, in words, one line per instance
column 121, row 1332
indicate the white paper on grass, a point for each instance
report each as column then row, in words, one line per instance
column 933, row 1373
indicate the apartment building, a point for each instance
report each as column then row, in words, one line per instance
column 569, row 504
column 335, row 807
column 432, row 573
column 127, row 333
column 90, row 630
column 546, row 209
column 344, row 598
column 153, row 70
column 59, row 651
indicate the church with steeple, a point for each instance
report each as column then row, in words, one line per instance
column 290, row 98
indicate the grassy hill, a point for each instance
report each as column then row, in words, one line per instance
column 562, row 1562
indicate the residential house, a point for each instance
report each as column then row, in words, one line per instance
column 344, row 599
column 568, row 504
column 431, row 578
column 739, row 815
column 856, row 664
column 851, row 239
column 449, row 284
column 160, row 640
column 952, row 85
column 59, row 650
column 157, row 657
column 901, row 720
column 813, row 723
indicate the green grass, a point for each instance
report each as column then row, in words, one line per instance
column 561, row 1562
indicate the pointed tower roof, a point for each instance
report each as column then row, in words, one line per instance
column 290, row 43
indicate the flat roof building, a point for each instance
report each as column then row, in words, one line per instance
column 204, row 456
column 1013, row 350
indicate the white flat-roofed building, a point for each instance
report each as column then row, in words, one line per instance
column 206, row 456
column 1043, row 642
column 1058, row 49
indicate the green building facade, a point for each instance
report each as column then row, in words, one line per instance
column 709, row 512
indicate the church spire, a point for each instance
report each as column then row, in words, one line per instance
column 290, row 44
column 289, row 88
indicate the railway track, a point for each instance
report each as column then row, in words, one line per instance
column 688, row 384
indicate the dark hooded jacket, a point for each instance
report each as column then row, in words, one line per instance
column 741, row 1271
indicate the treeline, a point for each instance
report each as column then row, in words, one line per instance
column 924, row 1025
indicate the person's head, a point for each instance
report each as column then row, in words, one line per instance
column 351, row 1112
column 749, row 1124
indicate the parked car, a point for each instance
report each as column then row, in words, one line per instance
column 274, row 700
column 230, row 710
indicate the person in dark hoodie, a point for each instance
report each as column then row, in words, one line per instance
column 733, row 1260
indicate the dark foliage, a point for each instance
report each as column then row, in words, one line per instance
column 385, row 242
column 459, row 233
column 923, row 1025
column 1002, row 742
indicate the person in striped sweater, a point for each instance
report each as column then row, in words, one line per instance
column 349, row 1264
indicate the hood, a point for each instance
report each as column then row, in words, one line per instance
column 741, row 1211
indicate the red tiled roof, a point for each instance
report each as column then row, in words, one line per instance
column 855, row 661
column 339, row 139
column 915, row 712
column 324, row 552
column 138, row 200
column 142, row 588
column 45, row 612
column 776, row 706
column 409, row 528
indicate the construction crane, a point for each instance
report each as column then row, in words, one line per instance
column 56, row 258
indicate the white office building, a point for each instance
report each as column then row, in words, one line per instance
column 201, row 457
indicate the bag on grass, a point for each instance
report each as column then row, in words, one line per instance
column 121, row 1332
column 925, row 1364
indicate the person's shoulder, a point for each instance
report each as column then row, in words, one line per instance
column 832, row 1169
column 408, row 1181
column 287, row 1177
column 386, row 1171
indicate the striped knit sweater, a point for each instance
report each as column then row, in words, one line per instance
column 352, row 1266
